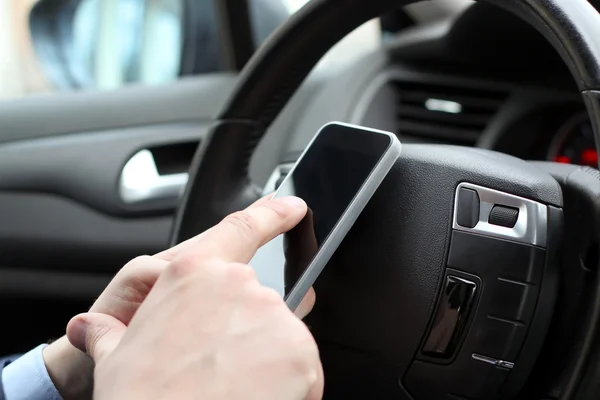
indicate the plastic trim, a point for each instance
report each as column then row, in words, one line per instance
column 532, row 222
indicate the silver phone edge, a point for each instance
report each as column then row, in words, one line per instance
column 349, row 216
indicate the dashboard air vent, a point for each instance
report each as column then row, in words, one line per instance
column 439, row 113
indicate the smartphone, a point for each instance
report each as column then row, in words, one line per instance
column 336, row 175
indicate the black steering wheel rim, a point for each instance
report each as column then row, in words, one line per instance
column 219, row 182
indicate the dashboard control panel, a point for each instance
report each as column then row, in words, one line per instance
column 488, row 299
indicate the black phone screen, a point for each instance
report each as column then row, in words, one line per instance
column 327, row 178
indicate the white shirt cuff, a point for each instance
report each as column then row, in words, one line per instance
column 27, row 378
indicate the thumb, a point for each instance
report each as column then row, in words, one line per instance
column 95, row 334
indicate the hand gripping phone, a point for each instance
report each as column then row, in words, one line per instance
column 336, row 175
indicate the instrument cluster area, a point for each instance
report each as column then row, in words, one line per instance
column 482, row 79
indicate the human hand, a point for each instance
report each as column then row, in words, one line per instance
column 208, row 329
column 71, row 370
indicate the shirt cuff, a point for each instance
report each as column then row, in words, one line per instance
column 27, row 378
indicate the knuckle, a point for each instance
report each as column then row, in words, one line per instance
column 268, row 297
column 243, row 222
column 133, row 282
column 187, row 265
column 240, row 273
column 308, row 369
column 182, row 266
column 136, row 263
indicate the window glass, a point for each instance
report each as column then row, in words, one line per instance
column 58, row 45
column 116, row 42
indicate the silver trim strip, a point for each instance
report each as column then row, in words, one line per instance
column 141, row 182
column 493, row 361
column 532, row 223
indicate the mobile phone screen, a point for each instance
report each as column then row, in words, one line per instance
column 327, row 177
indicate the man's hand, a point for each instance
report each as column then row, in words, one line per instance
column 208, row 329
column 71, row 370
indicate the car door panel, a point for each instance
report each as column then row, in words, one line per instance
column 48, row 232
column 64, row 230
column 197, row 98
column 65, row 227
column 60, row 162
column 86, row 167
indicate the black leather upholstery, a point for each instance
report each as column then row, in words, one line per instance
column 579, row 298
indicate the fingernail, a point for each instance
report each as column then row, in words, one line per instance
column 294, row 201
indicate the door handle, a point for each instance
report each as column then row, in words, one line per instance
column 140, row 181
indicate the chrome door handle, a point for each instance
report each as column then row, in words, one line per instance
column 141, row 182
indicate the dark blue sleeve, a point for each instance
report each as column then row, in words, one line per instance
column 3, row 363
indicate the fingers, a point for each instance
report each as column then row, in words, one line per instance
column 192, row 243
column 128, row 289
column 95, row 334
column 307, row 304
column 239, row 235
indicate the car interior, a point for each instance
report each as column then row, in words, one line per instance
column 471, row 274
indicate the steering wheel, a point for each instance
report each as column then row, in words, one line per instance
column 471, row 274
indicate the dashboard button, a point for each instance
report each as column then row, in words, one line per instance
column 450, row 321
column 467, row 209
column 504, row 216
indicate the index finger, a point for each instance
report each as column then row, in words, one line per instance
column 170, row 253
column 237, row 237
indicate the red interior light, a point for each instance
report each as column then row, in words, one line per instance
column 589, row 157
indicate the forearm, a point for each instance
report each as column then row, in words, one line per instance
column 71, row 371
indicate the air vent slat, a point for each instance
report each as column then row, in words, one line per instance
column 421, row 113
column 437, row 131
column 465, row 101
column 444, row 113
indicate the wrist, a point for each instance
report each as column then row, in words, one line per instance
column 71, row 371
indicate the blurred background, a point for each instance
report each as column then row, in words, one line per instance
column 19, row 70
column 66, row 45
column 49, row 45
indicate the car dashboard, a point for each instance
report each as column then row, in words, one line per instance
column 72, row 214
column 481, row 78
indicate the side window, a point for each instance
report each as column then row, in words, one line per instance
column 125, row 41
column 65, row 45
